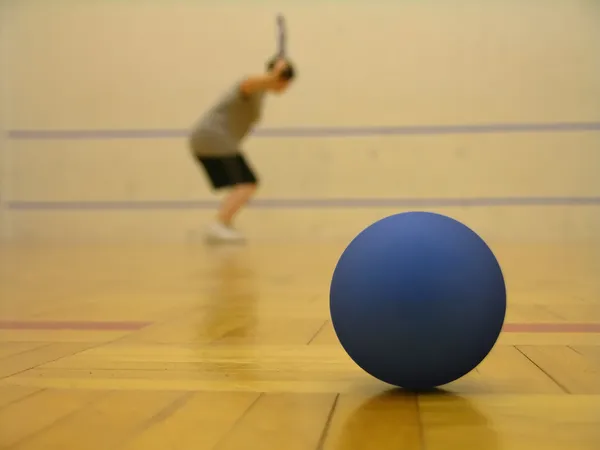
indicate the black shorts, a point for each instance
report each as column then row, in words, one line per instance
column 227, row 171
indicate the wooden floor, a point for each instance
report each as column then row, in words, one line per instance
column 231, row 349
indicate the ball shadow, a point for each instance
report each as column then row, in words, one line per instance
column 397, row 418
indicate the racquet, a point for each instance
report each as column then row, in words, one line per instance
column 281, row 37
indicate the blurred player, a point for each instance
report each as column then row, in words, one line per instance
column 216, row 143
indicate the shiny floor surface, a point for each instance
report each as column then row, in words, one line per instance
column 191, row 347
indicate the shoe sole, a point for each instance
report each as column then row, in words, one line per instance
column 216, row 240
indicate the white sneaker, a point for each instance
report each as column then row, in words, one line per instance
column 217, row 232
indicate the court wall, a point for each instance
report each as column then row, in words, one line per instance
column 462, row 109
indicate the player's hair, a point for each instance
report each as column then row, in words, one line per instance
column 288, row 73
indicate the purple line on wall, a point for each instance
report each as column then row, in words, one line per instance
column 313, row 131
column 302, row 203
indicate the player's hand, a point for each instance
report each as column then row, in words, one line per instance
column 280, row 66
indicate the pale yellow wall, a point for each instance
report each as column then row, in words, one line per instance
column 4, row 152
column 157, row 64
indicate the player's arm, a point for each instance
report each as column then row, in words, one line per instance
column 263, row 82
column 257, row 83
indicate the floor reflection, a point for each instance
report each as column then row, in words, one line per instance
column 231, row 307
column 229, row 317
column 395, row 420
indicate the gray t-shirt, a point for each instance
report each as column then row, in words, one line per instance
column 221, row 129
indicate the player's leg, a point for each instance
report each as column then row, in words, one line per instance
column 235, row 173
column 234, row 202
column 243, row 182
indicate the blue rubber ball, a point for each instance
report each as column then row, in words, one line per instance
column 418, row 300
